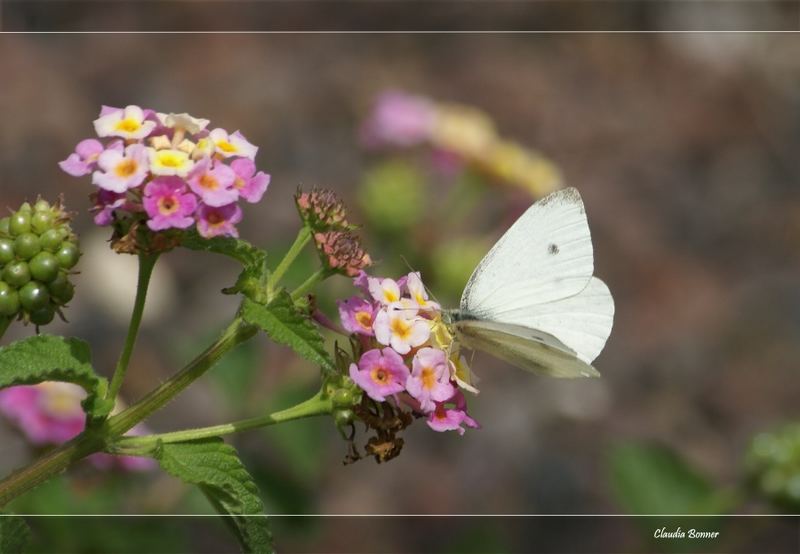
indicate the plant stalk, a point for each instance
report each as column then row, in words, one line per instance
column 314, row 406
column 303, row 236
column 316, row 277
column 146, row 264
column 236, row 333
column 58, row 459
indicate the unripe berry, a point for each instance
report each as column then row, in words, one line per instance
column 4, row 226
column 61, row 290
column 68, row 255
column 52, row 238
column 16, row 274
column 19, row 223
column 34, row 296
column 44, row 267
column 43, row 316
column 42, row 221
column 6, row 251
column 27, row 245
column 9, row 300
column 343, row 398
column 343, row 418
column 42, row 205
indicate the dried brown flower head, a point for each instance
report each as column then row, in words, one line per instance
column 341, row 251
column 322, row 210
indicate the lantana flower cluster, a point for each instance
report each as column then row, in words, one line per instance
column 459, row 136
column 408, row 353
column 50, row 413
column 170, row 170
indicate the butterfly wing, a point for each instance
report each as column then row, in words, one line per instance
column 539, row 276
column 525, row 348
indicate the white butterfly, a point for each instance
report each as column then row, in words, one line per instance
column 532, row 301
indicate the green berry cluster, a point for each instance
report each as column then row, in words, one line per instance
column 773, row 463
column 37, row 251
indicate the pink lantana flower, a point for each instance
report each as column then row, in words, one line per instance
column 234, row 144
column 47, row 413
column 361, row 282
column 429, row 381
column 251, row 185
column 385, row 291
column 120, row 170
column 357, row 315
column 168, row 204
column 380, row 373
column 215, row 221
column 451, row 415
column 128, row 123
column 418, row 293
column 399, row 119
column 106, row 202
column 84, row 159
column 213, row 183
column 401, row 329
column 51, row 413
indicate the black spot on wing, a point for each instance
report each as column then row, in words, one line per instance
column 552, row 249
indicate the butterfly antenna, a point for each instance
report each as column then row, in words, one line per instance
column 411, row 269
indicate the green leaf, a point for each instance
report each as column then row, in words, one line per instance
column 215, row 468
column 14, row 534
column 51, row 358
column 285, row 324
column 252, row 280
column 656, row 480
column 241, row 250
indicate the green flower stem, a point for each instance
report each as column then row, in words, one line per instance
column 52, row 463
column 236, row 333
column 146, row 264
column 314, row 406
column 320, row 275
column 302, row 239
column 58, row 459
column 4, row 323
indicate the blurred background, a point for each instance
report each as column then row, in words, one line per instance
column 684, row 148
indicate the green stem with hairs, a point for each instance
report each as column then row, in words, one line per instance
column 94, row 440
column 314, row 406
column 316, row 277
column 146, row 264
column 303, row 237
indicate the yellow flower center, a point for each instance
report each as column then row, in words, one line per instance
column 428, row 378
column 364, row 319
column 380, row 376
column 126, row 168
column 58, row 401
column 128, row 125
column 167, row 205
column 239, row 183
column 209, row 182
column 401, row 328
column 226, row 146
column 390, row 296
column 168, row 158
